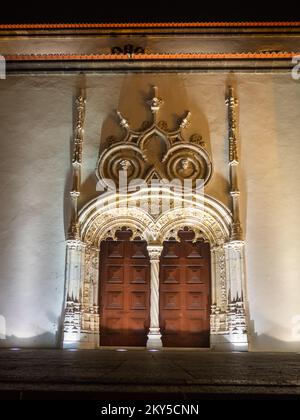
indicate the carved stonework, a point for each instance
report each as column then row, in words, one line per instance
column 236, row 228
column 218, row 321
column 198, row 234
column 110, row 220
column 154, row 252
column 236, row 314
column 128, row 49
column 80, row 107
column 155, row 152
column 197, row 138
column 74, row 229
column 236, row 231
column 72, row 322
column 107, row 223
column 232, row 102
column 236, row 318
column 222, row 267
column 90, row 308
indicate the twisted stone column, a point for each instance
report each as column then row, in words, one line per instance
column 154, row 336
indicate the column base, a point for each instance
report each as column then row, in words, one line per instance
column 71, row 341
column 229, row 342
column 154, row 339
column 84, row 340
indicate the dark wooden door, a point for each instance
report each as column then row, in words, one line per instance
column 124, row 292
column 185, row 293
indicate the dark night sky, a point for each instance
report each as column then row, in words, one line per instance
column 146, row 11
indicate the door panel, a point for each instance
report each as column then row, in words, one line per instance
column 185, row 293
column 124, row 292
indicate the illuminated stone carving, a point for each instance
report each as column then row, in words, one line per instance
column 155, row 149
column 208, row 218
column 232, row 102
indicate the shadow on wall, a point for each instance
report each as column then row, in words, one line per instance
column 268, row 343
column 45, row 340
column 216, row 188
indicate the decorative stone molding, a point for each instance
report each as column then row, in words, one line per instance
column 236, row 314
column 232, row 103
column 211, row 223
column 174, row 234
column 128, row 49
column 80, row 107
column 76, row 167
column 90, row 305
column 154, row 152
column 209, row 219
column 99, row 220
column 73, row 300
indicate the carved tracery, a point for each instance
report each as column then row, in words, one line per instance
column 155, row 151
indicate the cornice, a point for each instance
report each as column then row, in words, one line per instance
column 146, row 25
column 144, row 28
column 151, row 57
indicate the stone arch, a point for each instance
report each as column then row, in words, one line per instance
column 100, row 219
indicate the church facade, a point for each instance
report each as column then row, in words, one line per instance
column 150, row 186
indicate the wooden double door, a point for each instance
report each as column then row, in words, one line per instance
column 184, row 292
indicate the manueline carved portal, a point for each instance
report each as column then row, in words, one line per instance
column 143, row 295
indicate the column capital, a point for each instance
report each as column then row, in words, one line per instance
column 154, row 252
column 235, row 193
column 236, row 245
column 75, row 244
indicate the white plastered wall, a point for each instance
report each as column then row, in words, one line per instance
column 36, row 132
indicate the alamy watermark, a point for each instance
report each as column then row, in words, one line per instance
column 155, row 196
column 2, row 67
column 296, row 68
